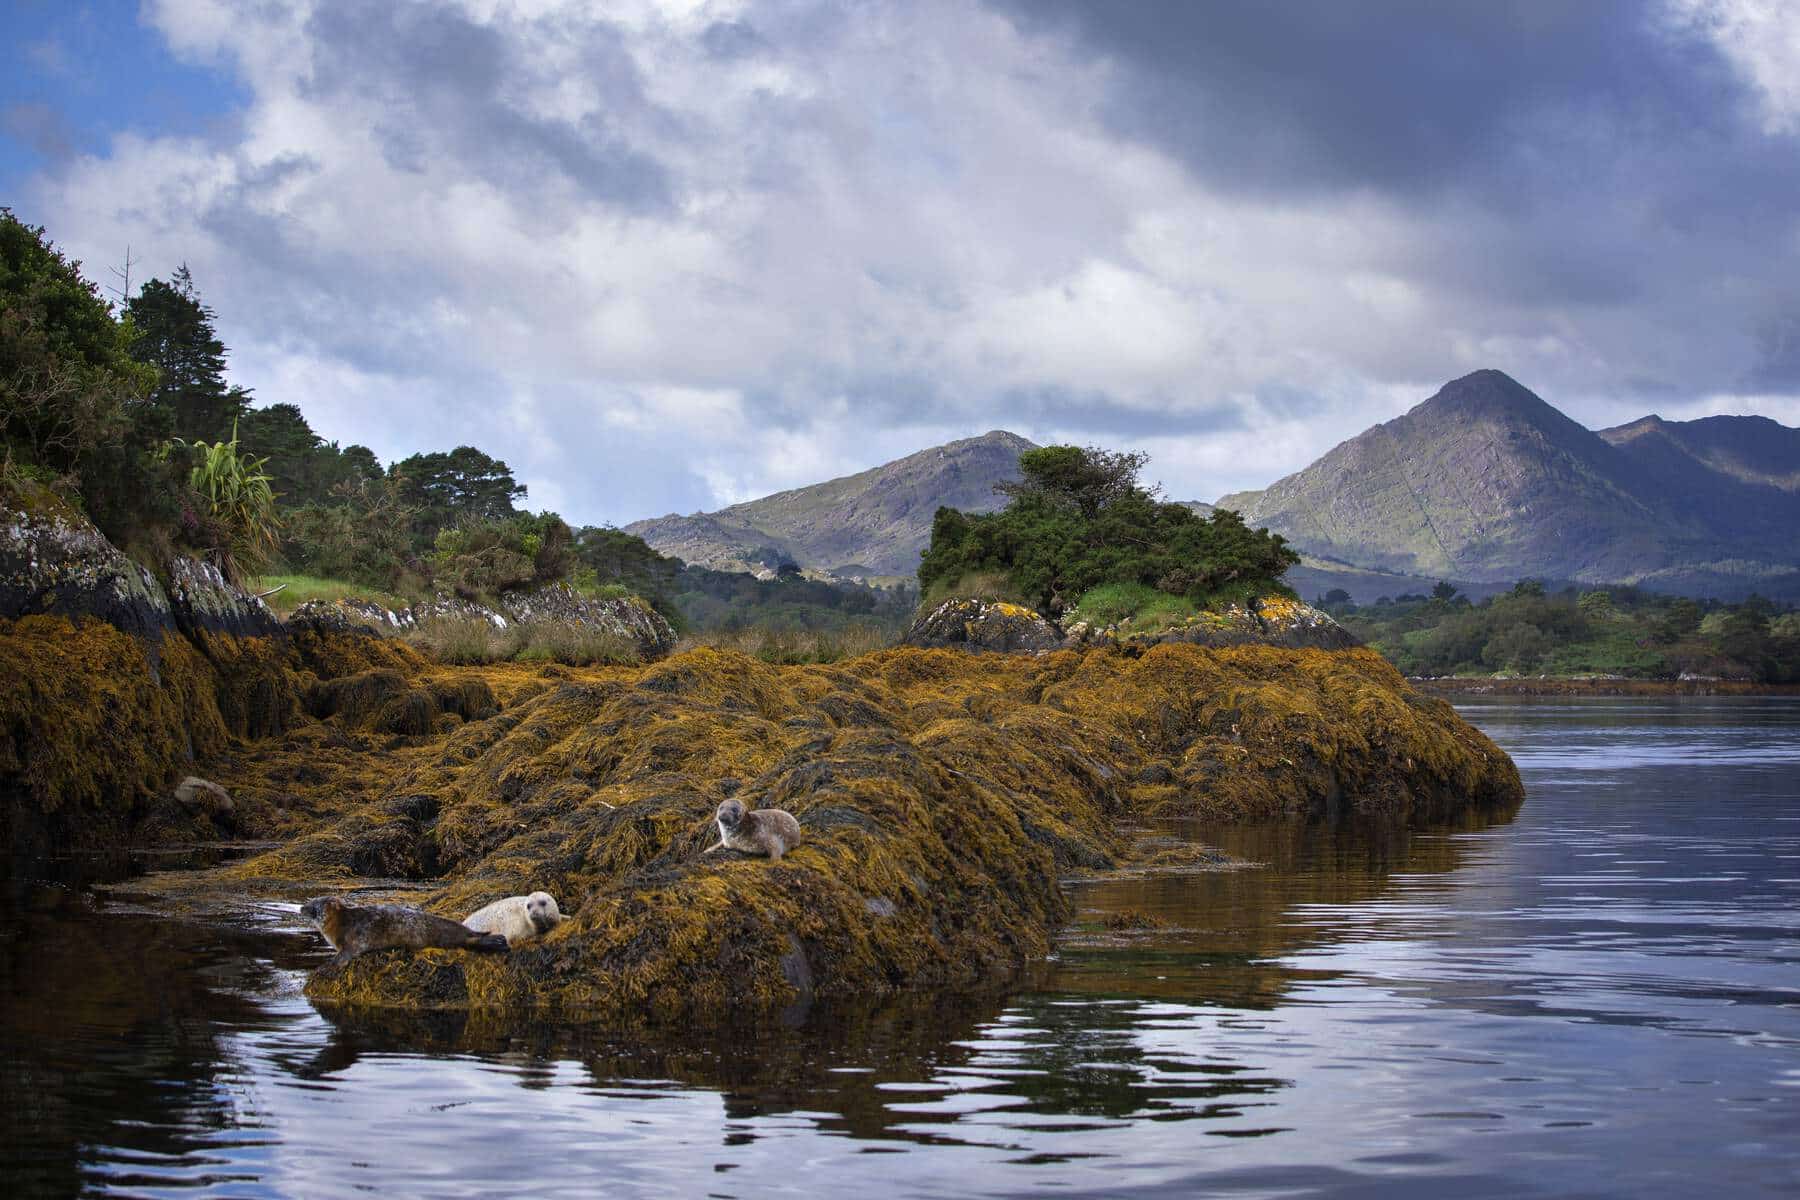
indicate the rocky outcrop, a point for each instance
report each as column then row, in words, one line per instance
column 983, row 625
column 53, row 561
column 627, row 617
column 999, row 626
column 1270, row 621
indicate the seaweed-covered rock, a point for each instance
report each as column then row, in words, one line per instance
column 943, row 797
column 983, row 625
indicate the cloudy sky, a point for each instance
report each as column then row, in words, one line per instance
column 662, row 256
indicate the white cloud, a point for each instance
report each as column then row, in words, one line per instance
column 687, row 253
column 1761, row 38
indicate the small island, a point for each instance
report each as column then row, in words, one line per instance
column 527, row 726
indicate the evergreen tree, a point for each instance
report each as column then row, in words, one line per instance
column 447, row 488
column 174, row 334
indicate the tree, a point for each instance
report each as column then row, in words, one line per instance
column 1085, row 479
column 1334, row 596
column 1443, row 590
column 72, row 399
column 1078, row 520
column 1596, row 605
column 461, row 485
column 174, row 333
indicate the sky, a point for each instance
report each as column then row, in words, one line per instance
column 665, row 255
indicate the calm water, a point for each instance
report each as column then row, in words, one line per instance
column 1600, row 998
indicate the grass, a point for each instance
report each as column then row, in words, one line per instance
column 976, row 585
column 791, row 647
column 1134, row 605
column 474, row 642
column 298, row 589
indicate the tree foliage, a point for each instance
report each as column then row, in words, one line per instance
column 447, row 488
column 172, row 331
column 1078, row 519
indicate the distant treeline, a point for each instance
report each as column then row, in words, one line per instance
column 126, row 413
column 1611, row 631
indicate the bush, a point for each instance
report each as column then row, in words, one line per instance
column 484, row 558
column 1078, row 521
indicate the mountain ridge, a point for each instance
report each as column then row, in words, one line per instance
column 873, row 523
column 1486, row 481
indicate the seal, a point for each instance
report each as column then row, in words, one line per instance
column 517, row 918
column 352, row 930
column 767, row 831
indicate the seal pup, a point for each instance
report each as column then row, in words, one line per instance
column 352, row 930
column 517, row 918
column 767, row 831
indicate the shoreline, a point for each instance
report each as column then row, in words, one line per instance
column 1578, row 686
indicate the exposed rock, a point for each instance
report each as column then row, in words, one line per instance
column 983, row 625
column 627, row 617
column 995, row 625
column 1271, row 621
column 53, row 561
column 203, row 794
column 202, row 600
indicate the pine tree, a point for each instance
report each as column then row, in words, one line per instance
column 174, row 334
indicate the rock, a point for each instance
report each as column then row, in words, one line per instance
column 994, row 625
column 203, row 601
column 197, row 793
column 53, row 561
column 983, row 625
column 627, row 617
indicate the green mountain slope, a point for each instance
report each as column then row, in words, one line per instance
column 1485, row 481
column 873, row 523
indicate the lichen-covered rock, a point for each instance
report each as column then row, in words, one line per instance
column 626, row 617
column 1270, row 621
column 203, row 600
column 53, row 561
column 983, row 625
column 944, row 796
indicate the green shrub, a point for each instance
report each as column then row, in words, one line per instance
column 1078, row 520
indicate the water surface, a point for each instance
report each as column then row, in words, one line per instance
column 1597, row 998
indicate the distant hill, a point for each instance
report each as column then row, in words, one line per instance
column 1486, row 482
column 873, row 523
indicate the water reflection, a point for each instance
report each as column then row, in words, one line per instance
column 1588, row 1000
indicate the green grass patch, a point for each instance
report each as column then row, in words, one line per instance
column 298, row 589
column 975, row 585
column 1135, row 605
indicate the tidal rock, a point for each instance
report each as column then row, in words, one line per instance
column 983, row 625
column 203, row 794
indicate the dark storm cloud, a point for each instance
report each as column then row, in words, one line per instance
column 1397, row 95
column 443, row 78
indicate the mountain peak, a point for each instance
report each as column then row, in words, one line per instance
column 872, row 523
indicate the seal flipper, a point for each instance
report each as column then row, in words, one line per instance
column 490, row 943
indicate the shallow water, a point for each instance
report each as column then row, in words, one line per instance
column 1599, row 998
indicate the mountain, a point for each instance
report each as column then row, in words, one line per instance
column 1487, row 482
column 870, row 524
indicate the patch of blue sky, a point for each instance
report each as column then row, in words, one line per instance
column 75, row 75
